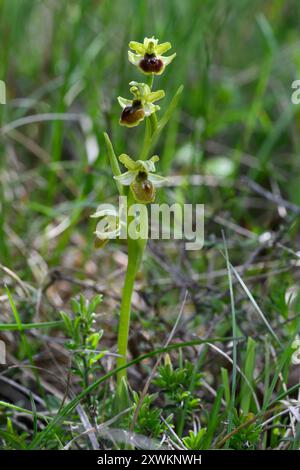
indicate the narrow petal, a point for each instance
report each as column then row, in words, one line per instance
column 134, row 58
column 157, row 180
column 167, row 60
column 147, row 165
column 137, row 47
column 124, row 102
column 150, row 108
column 126, row 178
column 154, row 159
column 155, row 96
column 163, row 47
column 128, row 162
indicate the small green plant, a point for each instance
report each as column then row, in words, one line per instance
column 247, row 436
column 12, row 439
column 83, row 339
column 194, row 440
column 175, row 383
column 139, row 182
column 149, row 422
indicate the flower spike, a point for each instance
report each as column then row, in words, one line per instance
column 148, row 56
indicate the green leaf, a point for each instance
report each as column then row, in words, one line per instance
column 26, row 346
column 213, row 419
column 68, row 323
column 121, row 399
column 30, row 326
column 166, row 117
column 168, row 113
column 225, row 380
column 246, row 392
column 113, row 161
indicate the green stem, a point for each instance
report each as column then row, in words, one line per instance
column 150, row 80
column 154, row 123
column 135, row 254
column 147, row 140
column 124, row 321
column 151, row 126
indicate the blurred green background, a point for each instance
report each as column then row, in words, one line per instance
column 233, row 144
column 65, row 63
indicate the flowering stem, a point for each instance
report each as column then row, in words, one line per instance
column 139, row 176
column 151, row 125
column 147, row 139
column 150, row 80
column 135, row 254
column 153, row 120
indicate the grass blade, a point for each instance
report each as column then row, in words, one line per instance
column 214, row 418
column 253, row 301
column 30, row 326
column 234, row 347
column 249, row 371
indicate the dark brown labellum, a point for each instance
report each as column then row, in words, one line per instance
column 143, row 189
column 151, row 64
column 132, row 114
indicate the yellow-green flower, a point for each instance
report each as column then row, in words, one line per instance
column 141, row 178
column 109, row 226
column 142, row 105
column 148, row 56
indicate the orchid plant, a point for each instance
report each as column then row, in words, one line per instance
column 140, row 181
